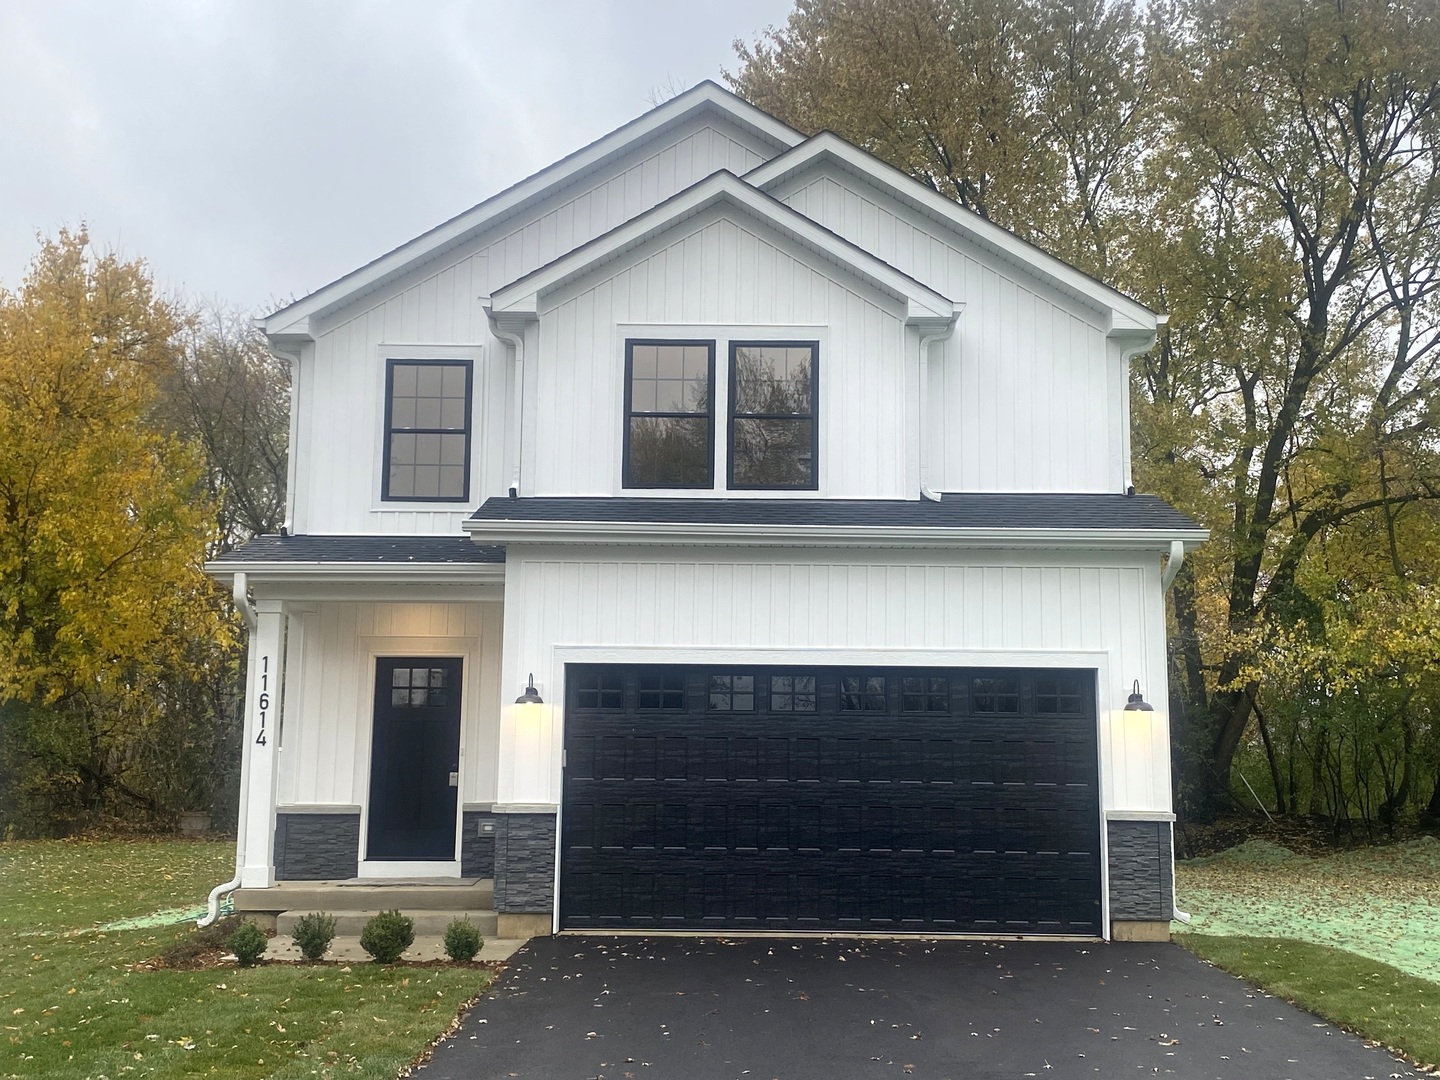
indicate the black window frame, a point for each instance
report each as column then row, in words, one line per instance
column 391, row 364
column 626, row 481
column 813, row 417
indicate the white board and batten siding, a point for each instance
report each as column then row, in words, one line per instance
column 342, row 377
column 819, row 606
column 1023, row 397
column 324, row 746
column 721, row 276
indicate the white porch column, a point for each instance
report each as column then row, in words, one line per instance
column 259, row 768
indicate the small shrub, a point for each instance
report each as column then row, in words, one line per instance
column 313, row 933
column 248, row 943
column 386, row 936
column 462, row 941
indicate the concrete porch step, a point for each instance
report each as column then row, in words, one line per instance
column 427, row 922
column 477, row 894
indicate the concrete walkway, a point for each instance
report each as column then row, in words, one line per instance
column 812, row 1009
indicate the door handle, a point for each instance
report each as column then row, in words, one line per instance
column 455, row 778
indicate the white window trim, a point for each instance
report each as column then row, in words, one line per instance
column 722, row 334
column 384, row 353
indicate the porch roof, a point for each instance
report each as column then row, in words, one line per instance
column 390, row 550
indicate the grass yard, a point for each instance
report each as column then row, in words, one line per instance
column 1380, row 902
column 1381, row 1003
column 71, row 1007
column 1353, row 936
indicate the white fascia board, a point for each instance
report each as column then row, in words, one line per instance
column 706, row 95
column 1127, row 312
column 524, row 294
column 362, row 572
column 652, row 534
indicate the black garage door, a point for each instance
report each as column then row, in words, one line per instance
column 783, row 798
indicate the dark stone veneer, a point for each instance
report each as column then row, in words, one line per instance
column 1141, row 886
column 317, row 847
column 477, row 846
column 524, row 862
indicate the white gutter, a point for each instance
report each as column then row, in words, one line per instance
column 374, row 573
column 241, row 595
column 1172, row 565
column 650, row 533
column 926, row 340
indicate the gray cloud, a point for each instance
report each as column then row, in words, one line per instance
column 256, row 149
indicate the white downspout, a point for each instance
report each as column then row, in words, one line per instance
column 517, row 405
column 241, row 595
column 1167, row 578
column 926, row 340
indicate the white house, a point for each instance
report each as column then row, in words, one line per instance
column 803, row 496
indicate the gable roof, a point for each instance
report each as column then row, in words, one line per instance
column 705, row 97
column 521, row 297
column 1127, row 314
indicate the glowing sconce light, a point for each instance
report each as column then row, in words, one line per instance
column 1136, row 703
column 529, row 703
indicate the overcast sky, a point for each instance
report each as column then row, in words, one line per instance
column 254, row 150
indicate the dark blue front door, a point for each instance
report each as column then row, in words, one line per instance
column 414, row 758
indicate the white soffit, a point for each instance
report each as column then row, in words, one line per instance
column 1126, row 314
column 291, row 320
column 523, row 296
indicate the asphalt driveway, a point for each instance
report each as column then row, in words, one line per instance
column 627, row 1008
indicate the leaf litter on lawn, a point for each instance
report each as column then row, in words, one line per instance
column 1380, row 902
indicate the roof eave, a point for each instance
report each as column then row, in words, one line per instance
column 449, row 573
column 705, row 95
column 766, row 535
column 521, row 298
column 1126, row 311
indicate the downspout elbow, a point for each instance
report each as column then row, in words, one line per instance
column 240, row 593
column 1172, row 565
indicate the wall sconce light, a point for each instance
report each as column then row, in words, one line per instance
column 1136, row 703
column 531, row 696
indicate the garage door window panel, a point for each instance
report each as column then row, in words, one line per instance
column 862, row 693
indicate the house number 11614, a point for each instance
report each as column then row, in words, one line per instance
column 264, row 702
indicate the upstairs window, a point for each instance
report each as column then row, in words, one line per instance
column 772, row 414
column 669, row 414
column 427, row 431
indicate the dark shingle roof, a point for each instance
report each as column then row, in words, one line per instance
column 954, row 511
column 363, row 549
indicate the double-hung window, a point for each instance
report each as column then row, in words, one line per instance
column 669, row 414
column 772, row 414
column 427, row 431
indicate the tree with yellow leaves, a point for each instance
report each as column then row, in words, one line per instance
column 104, row 522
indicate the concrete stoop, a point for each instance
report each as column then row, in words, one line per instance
column 426, row 947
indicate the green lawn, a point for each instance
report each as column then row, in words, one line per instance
column 1378, row 902
column 71, row 1007
column 1378, row 1001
